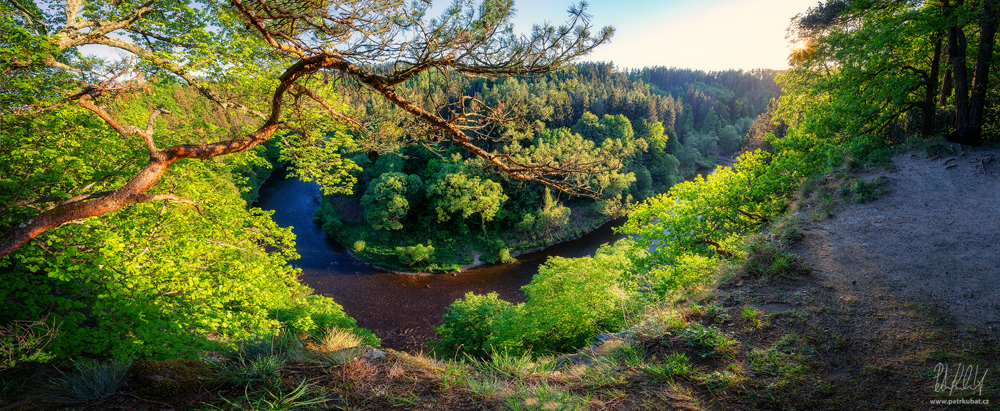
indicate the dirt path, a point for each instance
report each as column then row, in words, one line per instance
column 934, row 238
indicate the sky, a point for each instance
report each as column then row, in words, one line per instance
column 708, row 35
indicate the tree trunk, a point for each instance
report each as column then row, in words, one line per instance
column 969, row 110
column 980, row 84
column 945, row 87
column 932, row 88
column 956, row 56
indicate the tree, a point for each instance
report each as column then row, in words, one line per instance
column 386, row 203
column 867, row 64
column 302, row 53
column 466, row 195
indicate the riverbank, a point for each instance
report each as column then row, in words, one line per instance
column 441, row 249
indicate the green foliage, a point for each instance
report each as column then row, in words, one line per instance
column 707, row 340
column 864, row 191
column 316, row 312
column 717, row 209
column 386, row 203
column 326, row 216
column 543, row 397
column 252, row 372
column 304, row 396
column 572, row 299
column 465, row 195
column 415, row 254
column 25, row 341
column 469, row 325
column 152, row 279
column 568, row 302
column 358, row 246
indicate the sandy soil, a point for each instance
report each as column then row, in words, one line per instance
column 933, row 239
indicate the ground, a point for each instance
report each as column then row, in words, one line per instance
column 933, row 239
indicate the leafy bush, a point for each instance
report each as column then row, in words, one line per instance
column 26, row 341
column 415, row 254
column 469, row 325
column 569, row 301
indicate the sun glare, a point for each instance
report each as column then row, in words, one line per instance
column 800, row 45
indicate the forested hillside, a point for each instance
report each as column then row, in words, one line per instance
column 410, row 203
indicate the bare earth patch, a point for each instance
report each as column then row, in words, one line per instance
column 934, row 238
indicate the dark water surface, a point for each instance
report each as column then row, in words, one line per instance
column 400, row 309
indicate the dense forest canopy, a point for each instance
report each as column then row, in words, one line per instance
column 419, row 197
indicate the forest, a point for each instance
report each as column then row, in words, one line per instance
column 130, row 239
column 422, row 208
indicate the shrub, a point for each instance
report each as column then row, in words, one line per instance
column 414, row 255
column 358, row 246
column 469, row 325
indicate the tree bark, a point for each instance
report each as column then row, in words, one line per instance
column 984, row 59
column 969, row 109
column 932, row 89
column 945, row 87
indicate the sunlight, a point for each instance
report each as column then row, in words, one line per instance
column 800, row 45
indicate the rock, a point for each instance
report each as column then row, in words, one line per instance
column 374, row 354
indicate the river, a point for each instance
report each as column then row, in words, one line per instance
column 401, row 309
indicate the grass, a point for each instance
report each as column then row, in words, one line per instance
column 543, row 397
column 489, row 387
column 863, row 191
column 765, row 259
column 302, row 397
column 91, row 381
column 707, row 340
column 755, row 318
column 676, row 365
column 252, row 372
column 336, row 339
column 503, row 363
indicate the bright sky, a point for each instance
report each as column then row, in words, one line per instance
column 708, row 35
column 698, row 34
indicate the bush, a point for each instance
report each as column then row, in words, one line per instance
column 317, row 312
column 358, row 246
column 415, row 254
column 469, row 325
column 568, row 302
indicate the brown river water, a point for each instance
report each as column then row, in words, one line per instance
column 401, row 309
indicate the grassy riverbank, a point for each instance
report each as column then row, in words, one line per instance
column 440, row 249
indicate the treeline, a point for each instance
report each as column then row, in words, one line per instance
column 408, row 204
